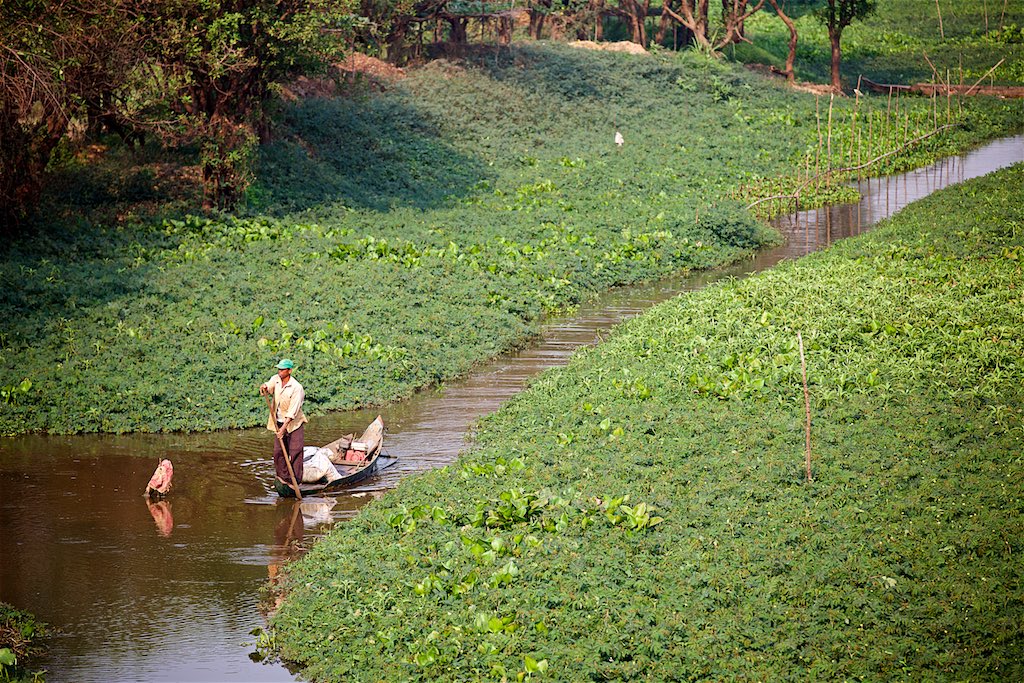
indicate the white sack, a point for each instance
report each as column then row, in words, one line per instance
column 316, row 465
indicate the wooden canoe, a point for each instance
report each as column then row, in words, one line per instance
column 350, row 472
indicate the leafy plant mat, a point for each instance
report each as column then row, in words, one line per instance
column 642, row 514
column 393, row 241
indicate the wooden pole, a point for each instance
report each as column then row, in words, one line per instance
column 817, row 152
column 831, row 100
column 971, row 89
column 807, row 409
column 942, row 34
column 853, row 123
column 284, row 451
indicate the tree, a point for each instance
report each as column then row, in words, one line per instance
column 216, row 63
column 59, row 59
column 693, row 15
column 791, row 25
column 837, row 15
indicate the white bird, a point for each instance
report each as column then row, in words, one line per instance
column 618, row 138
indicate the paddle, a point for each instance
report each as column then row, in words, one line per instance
column 287, row 455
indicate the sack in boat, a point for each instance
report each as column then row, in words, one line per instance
column 317, row 466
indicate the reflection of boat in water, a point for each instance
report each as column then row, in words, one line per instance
column 340, row 463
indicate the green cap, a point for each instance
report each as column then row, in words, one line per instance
column 286, row 364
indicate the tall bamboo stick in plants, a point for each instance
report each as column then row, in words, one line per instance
column 949, row 94
column 831, row 99
column 817, row 152
column 807, row 409
column 960, row 90
column 853, row 121
column 942, row 34
column 871, row 133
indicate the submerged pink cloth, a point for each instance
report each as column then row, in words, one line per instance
column 160, row 482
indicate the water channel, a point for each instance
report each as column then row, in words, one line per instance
column 170, row 592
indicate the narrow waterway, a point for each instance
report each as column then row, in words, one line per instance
column 170, row 592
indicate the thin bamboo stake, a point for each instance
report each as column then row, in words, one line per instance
column 817, row 152
column 859, row 174
column 871, row 133
column 959, row 92
column 971, row 89
column 831, row 100
column 856, row 168
column 807, row 409
column 942, row 33
column 853, row 121
column 949, row 95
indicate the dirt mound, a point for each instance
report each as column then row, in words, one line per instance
column 355, row 70
column 802, row 86
column 620, row 46
column 377, row 69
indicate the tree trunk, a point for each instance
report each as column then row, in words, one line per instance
column 458, row 29
column 791, row 55
column 729, row 9
column 692, row 15
column 536, row 24
column 638, row 20
column 24, row 154
column 396, row 41
column 837, row 58
column 664, row 24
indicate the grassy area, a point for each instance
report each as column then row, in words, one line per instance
column 20, row 634
column 901, row 560
column 890, row 46
column 392, row 241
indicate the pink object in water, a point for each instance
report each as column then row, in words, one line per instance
column 160, row 482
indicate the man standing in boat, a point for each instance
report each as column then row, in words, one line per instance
column 287, row 420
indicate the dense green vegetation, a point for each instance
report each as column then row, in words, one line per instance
column 393, row 241
column 899, row 560
column 890, row 45
column 19, row 642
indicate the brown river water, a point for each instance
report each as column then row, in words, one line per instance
column 170, row 592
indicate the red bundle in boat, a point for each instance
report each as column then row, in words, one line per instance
column 356, row 452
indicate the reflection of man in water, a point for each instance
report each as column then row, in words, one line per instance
column 287, row 536
column 161, row 512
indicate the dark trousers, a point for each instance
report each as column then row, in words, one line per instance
column 293, row 443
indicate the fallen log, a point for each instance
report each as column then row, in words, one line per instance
column 932, row 89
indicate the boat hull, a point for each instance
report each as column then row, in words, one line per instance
column 286, row 491
column 350, row 472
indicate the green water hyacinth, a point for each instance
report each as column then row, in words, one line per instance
column 691, row 546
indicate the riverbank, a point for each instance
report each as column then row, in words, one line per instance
column 490, row 193
column 20, row 642
column 899, row 558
